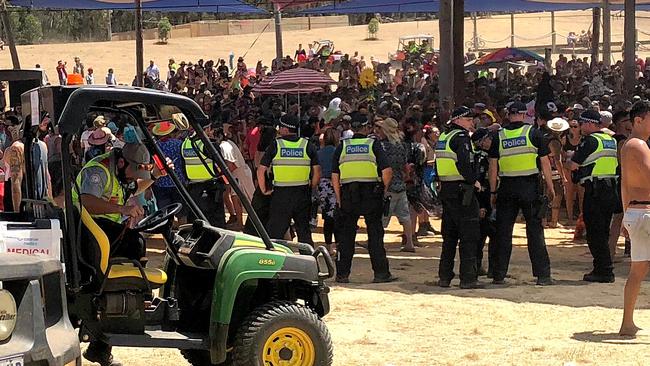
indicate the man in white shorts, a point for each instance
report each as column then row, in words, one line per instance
column 635, row 174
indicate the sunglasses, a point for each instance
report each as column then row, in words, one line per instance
column 145, row 167
column 575, row 126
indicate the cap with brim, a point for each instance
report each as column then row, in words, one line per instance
column 460, row 112
column 136, row 154
column 163, row 128
column 358, row 120
column 578, row 106
column 589, row 116
column 100, row 136
column 558, row 124
column 517, row 108
column 290, row 122
column 489, row 113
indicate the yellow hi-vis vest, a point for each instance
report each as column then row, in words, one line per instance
column 604, row 158
column 291, row 164
column 446, row 158
column 195, row 170
column 358, row 162
column 113, row 191
column 517, row 154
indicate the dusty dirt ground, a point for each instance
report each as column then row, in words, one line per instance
column 411, row 322
column 531, row 29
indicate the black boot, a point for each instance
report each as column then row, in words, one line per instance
column 100, row 352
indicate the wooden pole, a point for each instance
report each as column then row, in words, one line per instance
column 512, row 30
column 109, row 26
column 595, row 37
column 475, row 25
column 553, row 35
column 139, row 45
column 629, row 66
column 279, row 53
column 458, row 46
column 10, row 36
column 445, row 68
column 607, row 33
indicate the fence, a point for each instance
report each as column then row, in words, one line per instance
column 232, row 27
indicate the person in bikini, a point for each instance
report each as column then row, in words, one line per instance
column 635, row 173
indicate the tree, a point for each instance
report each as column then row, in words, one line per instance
column 164, row 28
column 27, row 27
column 373, row 28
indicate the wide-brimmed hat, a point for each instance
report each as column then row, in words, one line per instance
column 163, row 128
column 390, row 128
column 558, row 124
column 100, row 136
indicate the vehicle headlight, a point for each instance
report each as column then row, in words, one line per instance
column 7, row 314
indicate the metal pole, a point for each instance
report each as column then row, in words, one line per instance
column 10, row 36
column 595, row 39
column 553, row 35
column 445, row 83
column 474, row 21
column 607, row 33
column 139, row 45
column 512, row 30
column 279, row 54
column 630, row 44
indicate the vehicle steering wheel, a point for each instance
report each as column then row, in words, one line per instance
column 158, row 218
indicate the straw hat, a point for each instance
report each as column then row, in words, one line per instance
column 390, row 128
column 558, row 124
column 163, row 128
column 100, row 136
column 99, row 121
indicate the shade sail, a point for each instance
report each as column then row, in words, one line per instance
column 220, row 6
column 432, row 6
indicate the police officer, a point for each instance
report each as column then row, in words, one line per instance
column 514, row 157
column 105, row 184
column 482, row 140
column 296, row 172
column 460, row 209
column 203, row 177
column 594, row 163
column 360, row 176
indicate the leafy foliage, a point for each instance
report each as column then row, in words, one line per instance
column 373, row 27
column 164, row 28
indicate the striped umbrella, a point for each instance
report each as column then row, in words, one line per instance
column 509, row 55
column 294, row 81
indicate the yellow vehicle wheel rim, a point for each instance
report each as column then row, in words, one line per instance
column 289, row 347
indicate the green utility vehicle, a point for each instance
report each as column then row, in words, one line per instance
column 223, row 298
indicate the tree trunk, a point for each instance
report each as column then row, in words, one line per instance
column 445, row 65
column 458, row 44
column 10, row 36
column 607, row 33
column 629, row 66
column 595, row 37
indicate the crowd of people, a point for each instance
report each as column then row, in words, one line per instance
column 523, row 140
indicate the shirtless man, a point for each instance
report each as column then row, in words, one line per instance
column 635, row 169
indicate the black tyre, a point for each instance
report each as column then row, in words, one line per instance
column 283, row 332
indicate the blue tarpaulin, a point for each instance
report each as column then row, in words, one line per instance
column 432, row 6
column 220, row 6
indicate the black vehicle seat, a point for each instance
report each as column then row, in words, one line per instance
column 122, row 276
